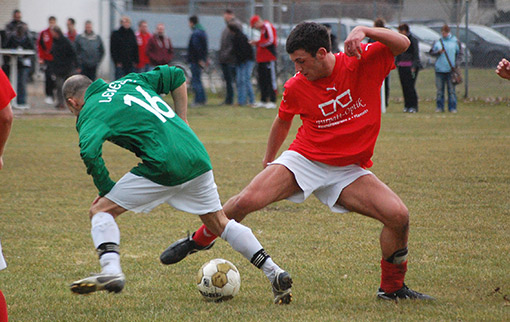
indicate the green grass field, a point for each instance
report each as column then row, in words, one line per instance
column 452, row 171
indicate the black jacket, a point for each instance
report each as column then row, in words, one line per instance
column 64, row 57
column 123, row 47
column 412, row 53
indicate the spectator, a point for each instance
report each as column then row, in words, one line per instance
column 142, row 39
column 6, row 118
column 44, row 44
column 197, row 57
column 89, row 51
column 380, row 23
column 21, row 39
column 266, row 61
column 244, row 65
column 10, row 28
column 71, row 30
column 447, row 48
column 227, row 57
column 124, row 49
column 409, row 64
column 334, row 42
column 159, row 48
column 503, row 69
column 63, row 63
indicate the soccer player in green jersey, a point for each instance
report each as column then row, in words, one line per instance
column 175, row 168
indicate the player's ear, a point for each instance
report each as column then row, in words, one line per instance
column 321, row 53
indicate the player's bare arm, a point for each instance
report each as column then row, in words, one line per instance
column 396, row 42
column 6, row 118
column 180, row 97
column 278, row 134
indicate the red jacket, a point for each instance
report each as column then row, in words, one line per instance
column 142, row 40
column 160, row 50
column 44, row 44
column 266, row 45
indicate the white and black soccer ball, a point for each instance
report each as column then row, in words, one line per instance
column 218, row 280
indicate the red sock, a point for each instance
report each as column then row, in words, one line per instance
column 392, row 276
column 203, row 236
column 3, row 308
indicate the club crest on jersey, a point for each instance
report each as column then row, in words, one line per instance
column 330, row 106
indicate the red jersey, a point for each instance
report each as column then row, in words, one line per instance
column 142, row 39
column 341, row 113
column 44, row 44
column 266, row 45
column 6, row 91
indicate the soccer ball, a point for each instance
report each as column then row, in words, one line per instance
column 218, row 280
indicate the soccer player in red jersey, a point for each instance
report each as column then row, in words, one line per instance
column 6, row 117
column 337, row 97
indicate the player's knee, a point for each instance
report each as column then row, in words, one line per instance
column 401, row 216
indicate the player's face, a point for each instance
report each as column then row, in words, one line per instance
column 311, row 67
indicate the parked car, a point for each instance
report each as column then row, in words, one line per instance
column 503, row 28
column 429, row 36
column 487, row 46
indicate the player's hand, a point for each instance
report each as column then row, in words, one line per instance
column 1, row 162
column 503, row 69
column 352, row 45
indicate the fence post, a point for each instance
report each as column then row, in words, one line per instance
column 466, row 73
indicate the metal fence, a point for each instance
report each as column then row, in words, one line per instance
column 483, row 46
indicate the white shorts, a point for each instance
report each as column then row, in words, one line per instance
column 326, row 182
column 3, row 264
column 198, row 196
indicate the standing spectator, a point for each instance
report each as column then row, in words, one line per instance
column 6, row 118
column 89, row 51
column 409, row 64
column 124, row 49
column 10, row 28
column 266, row 61
column 197, row 57
column 244, row 65
column 142, row 39
column 159, row 48
column 44, row 43
column 21, row 39
column 381, row 23
column 63, row 63
column 447, row 45
column 334, row 42
column 227, row 55
column 71, row 33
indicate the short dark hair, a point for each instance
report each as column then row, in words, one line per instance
column 229, row 11
column 403, row 27
column 309, row 36
column 75, row 86
column 193, row 20
column 52, row 18
column 379, row 22
column 71, row 20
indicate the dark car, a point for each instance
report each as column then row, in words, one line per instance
column 503, row 28
column 486, row 45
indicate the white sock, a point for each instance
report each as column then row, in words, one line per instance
column 270, row 268
column 105, row 230
column 241, row 239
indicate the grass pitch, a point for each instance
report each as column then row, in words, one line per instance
column 452, row 171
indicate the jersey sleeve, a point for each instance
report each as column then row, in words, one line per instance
column 92, row 136
column 380, row 58
column 164, row 78
column 6, row 91
column 288, row 106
